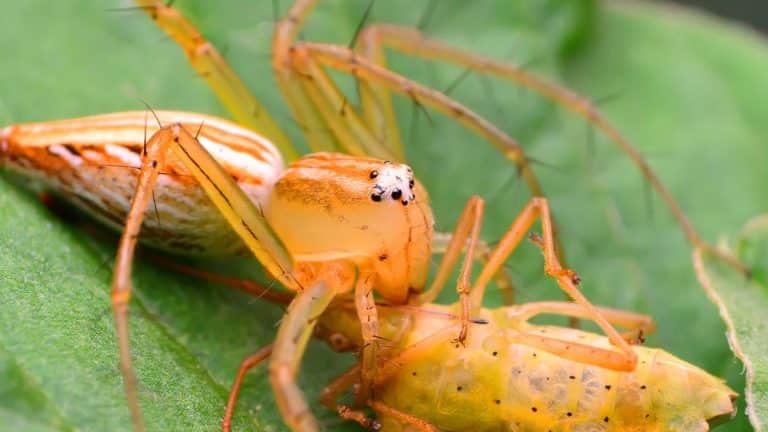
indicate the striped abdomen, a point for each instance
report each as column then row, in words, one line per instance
column 93, row 162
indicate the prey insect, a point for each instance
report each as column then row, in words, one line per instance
column 511, row 374
column 315, row 107
column 507, row 377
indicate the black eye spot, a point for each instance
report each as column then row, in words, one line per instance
column 373, row 174
column 405, row 202
column 396, row 194
column 411, row 182
column 375, row 197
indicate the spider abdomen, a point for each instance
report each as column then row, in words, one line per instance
column 93, row 162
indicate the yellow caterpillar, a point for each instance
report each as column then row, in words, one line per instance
column 504, row 379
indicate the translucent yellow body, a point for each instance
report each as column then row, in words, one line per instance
column 496, row 383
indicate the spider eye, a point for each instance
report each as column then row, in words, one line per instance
column 373, row 174
column 411, row 183
column 396, row 194
column 376, row 197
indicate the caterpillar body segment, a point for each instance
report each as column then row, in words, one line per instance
column 500, row 380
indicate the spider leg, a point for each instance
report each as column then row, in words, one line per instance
column 411, row 41
column 298, row 66
column 309, row 56
column 211, row 66
column 387, row 368
column 465, row 236
column 309, row 90
column 453, row 247
column 223, row 191
column 567, row 279
column 289, row 346
column 318, row 135
column 503, row 279
column 246, row 365
column 419, row 424
column 152, row 161
column 638, row 325
column 367, row 312
column 333, row 391
column 248, row 286
column 440, row 244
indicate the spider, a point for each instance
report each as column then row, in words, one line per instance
column 373, row 149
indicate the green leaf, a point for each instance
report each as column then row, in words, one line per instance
column 689, row 95
column 742, row 303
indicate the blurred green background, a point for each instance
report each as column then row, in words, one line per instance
column 689, row 90
column 751, row 12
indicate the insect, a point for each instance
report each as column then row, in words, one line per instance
column 150, row 217
column 500, row 380
column 512, row 374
